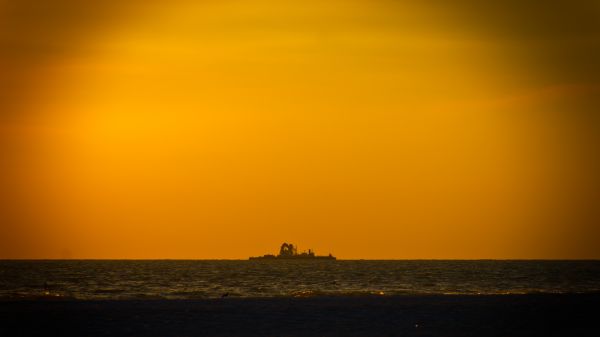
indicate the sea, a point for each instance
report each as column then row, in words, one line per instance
column 205, row 279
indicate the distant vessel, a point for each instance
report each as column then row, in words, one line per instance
column 290, row 252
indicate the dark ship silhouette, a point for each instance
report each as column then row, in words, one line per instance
column 290, row 252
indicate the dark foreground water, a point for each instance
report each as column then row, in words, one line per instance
column 169, row 279
column 369, row 316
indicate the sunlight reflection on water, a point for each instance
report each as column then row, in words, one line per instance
column 212, row 279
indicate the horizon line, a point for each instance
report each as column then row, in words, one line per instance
column 338, row 259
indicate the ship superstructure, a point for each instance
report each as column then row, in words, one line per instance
column 290, row 252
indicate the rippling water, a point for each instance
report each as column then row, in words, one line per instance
column 126, row 279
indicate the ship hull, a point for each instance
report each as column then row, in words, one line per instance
column 304, row 258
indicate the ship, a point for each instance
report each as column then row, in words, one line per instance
column 290, row 252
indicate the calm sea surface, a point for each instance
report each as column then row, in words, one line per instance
column 170, row 279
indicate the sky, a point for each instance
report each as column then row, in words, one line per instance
column 367, row 129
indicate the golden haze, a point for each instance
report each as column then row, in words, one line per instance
column 369, row 129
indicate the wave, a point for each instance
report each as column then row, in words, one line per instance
column 125, row 280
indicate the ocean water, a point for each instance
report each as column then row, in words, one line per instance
column 190, row 279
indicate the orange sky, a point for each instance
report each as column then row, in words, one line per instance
column 368, row 129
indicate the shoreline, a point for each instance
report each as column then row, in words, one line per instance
column 410, row 315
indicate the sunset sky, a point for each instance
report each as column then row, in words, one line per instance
column 372, row 129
